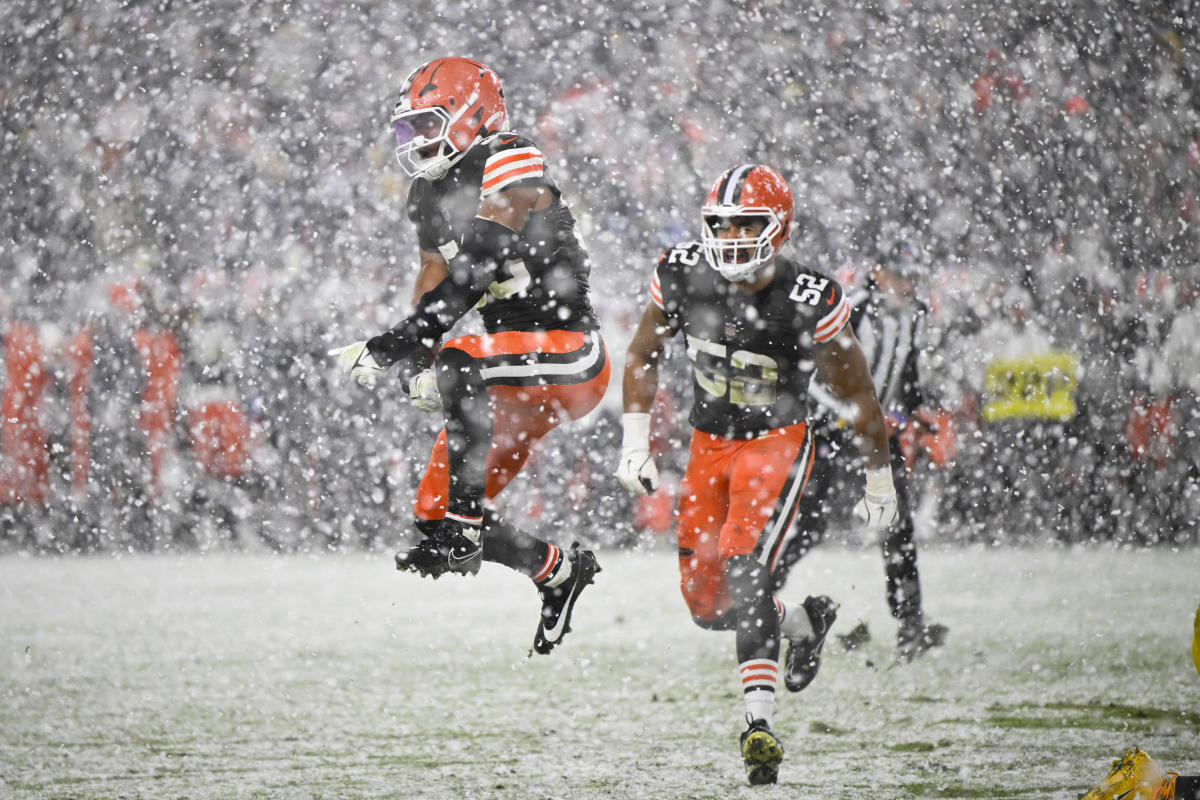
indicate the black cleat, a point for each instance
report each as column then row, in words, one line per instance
column 804, row 655
column 446, row 548
column 761, row 753
column 856, row 638
column 558, row 602
column 916, row 638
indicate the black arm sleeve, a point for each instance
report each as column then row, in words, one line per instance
column 486, row 246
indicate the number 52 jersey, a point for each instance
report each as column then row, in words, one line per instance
column 750, row 352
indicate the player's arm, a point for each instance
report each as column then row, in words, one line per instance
column 434, row 270
column 841, row 364
column 636, row 470
column 488, row 242
column 843, row 367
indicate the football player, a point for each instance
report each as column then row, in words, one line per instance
column 493, row 234
column 887, row 319
column 756, row 325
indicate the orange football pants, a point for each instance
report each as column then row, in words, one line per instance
column 535, row 381
column 738, row 497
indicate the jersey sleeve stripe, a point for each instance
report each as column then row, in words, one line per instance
column 506, row 157
column 509, row 165
column 832, row 322
column 516, row 173
column 656, row 292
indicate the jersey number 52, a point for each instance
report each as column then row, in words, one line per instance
column 808, row 289
column 744, row 378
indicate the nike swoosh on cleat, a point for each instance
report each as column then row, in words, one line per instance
column 455, row 561
column 556, row 633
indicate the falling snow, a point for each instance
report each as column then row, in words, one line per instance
column 200, row 200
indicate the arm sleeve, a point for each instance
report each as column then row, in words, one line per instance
column 836, row 308
column 656, row 291
column 485, row 247
column 662, row 294
column 426, row 217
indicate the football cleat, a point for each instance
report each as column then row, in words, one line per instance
column 559, row 601
column 858, row 636
column 447, row 547
column 916, row 638
column 1133, row 776
column 804, row 654
column 761, row 752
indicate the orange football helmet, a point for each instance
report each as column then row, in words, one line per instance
column 747, row 190
column 445, row 107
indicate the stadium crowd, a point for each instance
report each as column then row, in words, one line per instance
column 199, row 203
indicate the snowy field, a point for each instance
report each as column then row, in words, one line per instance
column 252, row 676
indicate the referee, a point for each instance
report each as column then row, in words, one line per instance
column 887, row 319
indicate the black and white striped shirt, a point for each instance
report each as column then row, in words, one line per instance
column 890, row 341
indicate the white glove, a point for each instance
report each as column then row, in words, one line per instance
column 636, row 470
column 877, row 509
column 358, row 362
column 423, row 391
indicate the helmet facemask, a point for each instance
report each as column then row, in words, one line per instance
column 738, row 259
column 423, row 145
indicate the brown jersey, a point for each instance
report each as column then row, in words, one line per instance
column 750, row 353
column 544, row 284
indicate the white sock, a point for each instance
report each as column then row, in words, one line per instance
column 794, row 622
column 759, row 679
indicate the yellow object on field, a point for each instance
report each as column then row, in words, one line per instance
column 1133, row 776
column 1033, row 387
column 1196, row 640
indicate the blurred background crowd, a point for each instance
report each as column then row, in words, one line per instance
column 199, row 201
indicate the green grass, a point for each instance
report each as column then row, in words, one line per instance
column 259, row 677
column 1100, row 716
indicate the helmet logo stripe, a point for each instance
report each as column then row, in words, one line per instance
column 734, row 184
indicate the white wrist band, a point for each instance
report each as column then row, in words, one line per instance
column 879, row 481
column 637, row 431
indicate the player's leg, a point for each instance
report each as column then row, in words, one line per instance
column 766, row 484
column 533, row 382
column 700, row 513
column 497, row 406
column 769, row 485
column 811, row 518
column 705, row 581
column 562, row 376
column 903, row 580
column 450, row 498
column 1178, row 787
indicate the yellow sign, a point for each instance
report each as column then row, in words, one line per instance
column 1034, row 387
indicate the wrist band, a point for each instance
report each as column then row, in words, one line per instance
column 636, row 427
